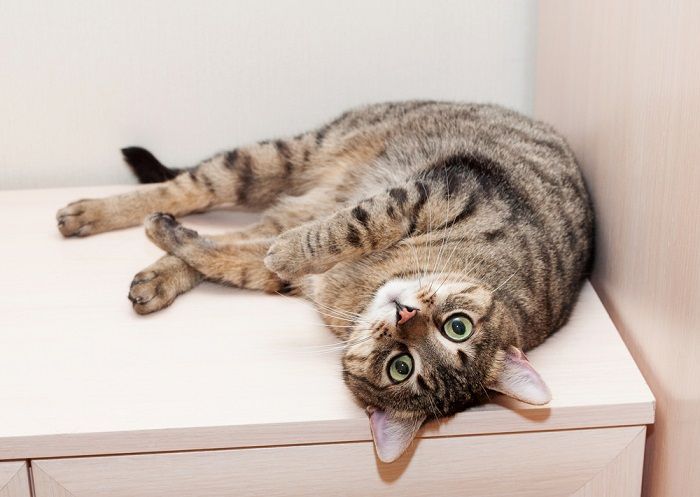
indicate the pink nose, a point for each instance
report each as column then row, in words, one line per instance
column 404, row 313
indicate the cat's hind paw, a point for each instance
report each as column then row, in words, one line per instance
column 152, row 291
column 157, row 286
column 82, row 218
column 168, row 234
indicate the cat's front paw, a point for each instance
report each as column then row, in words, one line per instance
column 82, row 218
column 163, row 230
column 287, row 257
column 152, row 290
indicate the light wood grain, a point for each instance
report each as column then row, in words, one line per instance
column 622, row 81
column 515, row 465
column 621, row 477
column 215, row 371
column 14, row 481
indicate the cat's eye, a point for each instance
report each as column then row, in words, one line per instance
column 400, row 368
column 457, row 328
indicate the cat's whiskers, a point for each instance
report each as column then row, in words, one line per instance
column 484, row 389
column 443, row 269
column 415, row 258
column 446, row 221
column 464, row 273
column 366, row 334
column 335, row 309
column 506, row 281
column 335, row 316
column 337, row 346
column 332, row 348
column 429, row 232
column 338, row 312
column 446, row 266
column 341, row 317
column 447, row 237
column 434, row 409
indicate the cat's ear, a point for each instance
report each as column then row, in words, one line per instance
column 516, row 378
column 392, row 433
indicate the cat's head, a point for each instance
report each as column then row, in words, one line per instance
column 428, row 348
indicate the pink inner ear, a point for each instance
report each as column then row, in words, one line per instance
column 377, row 423
column 519, row 380
column 391, row 434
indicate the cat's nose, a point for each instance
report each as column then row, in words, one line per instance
column 404, row 313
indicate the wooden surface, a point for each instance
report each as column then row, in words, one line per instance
column 622, row 81
column 548, row 464
column 221, row 368
column 14, row 481
column 622, row 476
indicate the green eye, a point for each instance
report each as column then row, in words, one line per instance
column 457, row 328
column 400, row 368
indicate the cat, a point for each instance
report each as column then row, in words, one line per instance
column 437, row 240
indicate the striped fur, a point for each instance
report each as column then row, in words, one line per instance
column 450, row 207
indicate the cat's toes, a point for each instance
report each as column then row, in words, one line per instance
column 152, row 291
column 82, row 218
column 286, row 256
column 163, row 230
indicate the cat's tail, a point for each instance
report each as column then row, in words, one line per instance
column 146, row 167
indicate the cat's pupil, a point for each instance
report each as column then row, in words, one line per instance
column 458, row 327
column 402, row 368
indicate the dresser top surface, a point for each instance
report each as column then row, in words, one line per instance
column 222, row 367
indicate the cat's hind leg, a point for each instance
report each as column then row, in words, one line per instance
column 252, row 177
column 157, row 286
column 236, row 258
column 238, row 262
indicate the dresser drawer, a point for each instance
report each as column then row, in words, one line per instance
column 538, row 464
column 14, row 481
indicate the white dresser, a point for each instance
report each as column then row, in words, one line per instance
column 230, row 392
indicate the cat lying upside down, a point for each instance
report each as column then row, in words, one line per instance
column 437, row 240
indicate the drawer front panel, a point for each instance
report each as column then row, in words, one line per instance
column 14, row 480
column 526, row 464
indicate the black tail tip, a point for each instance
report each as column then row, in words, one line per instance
column 145, row 166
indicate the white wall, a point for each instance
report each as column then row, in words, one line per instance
column 80, row 79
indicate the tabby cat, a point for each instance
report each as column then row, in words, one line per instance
column 437, row 240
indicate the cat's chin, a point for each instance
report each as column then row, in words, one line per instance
column 394, row 290
column 407, row 291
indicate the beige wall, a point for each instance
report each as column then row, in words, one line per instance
column 622, row 80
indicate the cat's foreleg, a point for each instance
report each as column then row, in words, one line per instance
column 373, row 224
column 230, row 261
